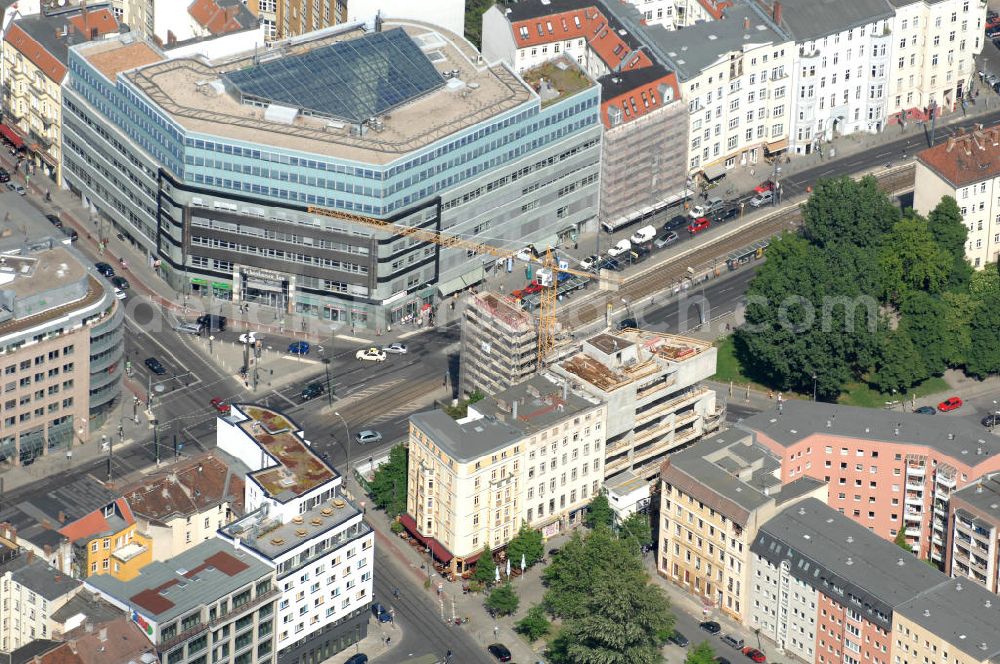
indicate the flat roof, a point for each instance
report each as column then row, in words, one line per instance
column 117, row 55
column 955, row 437
column 297, row 469
column 466, row 440
column 962, row 613
column 843, row 559
column 557, row 79
column 541, row 403
column 183, row 88
column 982, row 495
column 201, row 575
column 38, row 576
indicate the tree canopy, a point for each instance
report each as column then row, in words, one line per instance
column 388, row 486
column 486, row 568
column 503, row 600
column 599, row 512
column 701, row 654
column 529, row 543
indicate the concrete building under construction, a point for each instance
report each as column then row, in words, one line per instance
column 651, row 385
column 499, row 344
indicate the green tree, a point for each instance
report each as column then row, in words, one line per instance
column 486, row 569
column 901, row 542
column 910, row 259
column 960, row 307
column 599, row 513
column 949, row 231
column 985, row 281
column 900, row 365
column 850, row 212
column 388, row 487
column 534, row 625
column 503, row 600
column 624, row 614
column 925, row 320
column 983, row 356
column 527, row 542
column 581, row 563
column 702, row 654
column 636, row 530
column 474, row 10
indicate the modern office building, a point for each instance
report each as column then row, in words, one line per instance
column 974, row 533
column 650, row 383
column 888, row 471
column 31, row 590
column 826, row 589
column 212, row 165
column 300, row 525
column 713, row 498
column 499, row 344
column 61, row 342
column 967, row 168
column 532, row 454
column 215, row 602
column 34, row 67
column 182, row 507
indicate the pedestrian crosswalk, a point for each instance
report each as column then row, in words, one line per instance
column 369, row 391
column 397, row 412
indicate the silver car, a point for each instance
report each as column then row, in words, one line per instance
column 368, row 436
column 665, row 239
column 189, row 328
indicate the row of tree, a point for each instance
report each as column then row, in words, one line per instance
column 867, row 292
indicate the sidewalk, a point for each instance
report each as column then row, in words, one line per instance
column 374, row 645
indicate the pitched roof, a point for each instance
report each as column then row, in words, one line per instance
column 965, row 158
column 808, row 20
column 122, row 641
column 636, row 93
column 964, row 614
column 40, row 577
column 95, row 523
column 52, row 65
column 193, row 487
column 222, row 16
column 44, row 39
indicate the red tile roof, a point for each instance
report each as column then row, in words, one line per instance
column 640, row 98
column 94, row 524
column 715, row 8
column 151, row 600
column 36, row 53
column 217, row 20
column 966, row 158
column 100, row 20
column 184, row 490
column 226, row 563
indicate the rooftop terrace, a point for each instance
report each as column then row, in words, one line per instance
column 649, row 346
column 298, row 469
column 192, row 92
column 557, row 79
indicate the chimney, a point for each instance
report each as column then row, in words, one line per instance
column 746, row 23
column 236, row 544
column 513, row 415
column 31, row 556
column 776, row 13
column 102, row 636
column 565, row 391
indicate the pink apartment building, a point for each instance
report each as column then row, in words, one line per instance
column 887, row 470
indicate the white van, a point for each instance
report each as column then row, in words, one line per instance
column 622, row 247
column 644, row 235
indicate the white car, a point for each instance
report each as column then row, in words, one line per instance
column 120, row 294
column 396, row 349
column 371, row 354
column 368, row 436
column 622, row 247
column 762, row 198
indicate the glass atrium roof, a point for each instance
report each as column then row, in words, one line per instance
column 350, row 80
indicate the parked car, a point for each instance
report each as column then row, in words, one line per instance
column 609, row 264
column 711, row 627
column 299, row 348
column 499, row 651
column 708, row 207
column 381, row 613
column 54, row 220
column 762, row 198
column 698, row 225
column 643, row 235
column 734, row 641
column 221, row 406
column 521, row 293
column 590, row 262
column 766, row 185
column 754, row 655
column 396, row 348
column 121, row 282
column 16, row 188
column 665, row 240
column 678, row 639
column 991, row 420
column 154, row 365
column 71, row 234
column 622, row 247
column 926, row 410
column 678, row 221
column 367, row 436
column 357, row 658
column 4, row 175
column 213, row 323
column 725, row 214
column 722, row 660
column 949, row 404
column 104, row 270
column 371, row 354
column 628, row 324
column 312, row 390
column 190, row 328
column 120, row 294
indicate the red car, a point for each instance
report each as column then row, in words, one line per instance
column 754, row 655
column 766, row 185
column 951, row 403
column 220, row 405
column 698, row 225
column 533, row 287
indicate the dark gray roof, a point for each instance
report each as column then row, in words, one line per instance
column 76, row 500
column 30, row 529
column 26, row 654
column 48, row 30
column 807, row 20
column 40, row 577
column 165, row 590
column 983, row 496
column 690, row 50
column 964, row 614
column 468, row 441
column 618, row 83
column 800, row 419
column 844, row 560
column 96, row 609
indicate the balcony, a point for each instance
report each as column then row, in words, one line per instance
column 914, row 486
column 913, row 532
column 913, row 516
column 912, row 499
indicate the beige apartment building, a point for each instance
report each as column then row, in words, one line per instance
column 954, row 622
column 714, row 496
column 61, row 342
column 30, row 592
column 974, row 533
column 532, row 454
column 651, row 384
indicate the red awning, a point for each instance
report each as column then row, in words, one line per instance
column 11, row 136
column 439, row 551
column 473, row 558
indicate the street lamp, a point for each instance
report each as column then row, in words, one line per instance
column 814, row 387
column 348, row 430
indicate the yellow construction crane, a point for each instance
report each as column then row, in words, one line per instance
column 548, row 296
